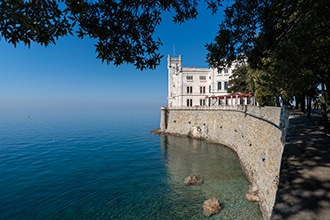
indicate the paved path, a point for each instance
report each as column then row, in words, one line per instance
column 304, row 188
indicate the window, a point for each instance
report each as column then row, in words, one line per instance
column 189, row 89
column 202, row 102
column 209, row 88
column 202, row 77
column 226, row 85
column 226, row 70
column 219, row 85
column 202, row 90
column 189, row 77
column 189, row 102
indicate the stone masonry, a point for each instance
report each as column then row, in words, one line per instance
column 256, row 134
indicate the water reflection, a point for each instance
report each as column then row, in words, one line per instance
column 221, row 171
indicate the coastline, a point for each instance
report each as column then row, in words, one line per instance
column 256, row 134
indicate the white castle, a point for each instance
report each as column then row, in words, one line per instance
column 197, row 87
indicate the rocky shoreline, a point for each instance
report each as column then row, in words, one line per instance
column 304, row 180
column 251, row 194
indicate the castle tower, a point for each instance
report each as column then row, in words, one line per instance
column 174, row 80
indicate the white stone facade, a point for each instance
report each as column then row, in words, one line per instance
column 196, row 87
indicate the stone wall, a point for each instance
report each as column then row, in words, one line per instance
column 257, row 134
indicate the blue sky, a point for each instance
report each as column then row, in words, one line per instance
column 68, row 75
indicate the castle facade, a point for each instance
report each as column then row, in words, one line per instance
column 197, row 87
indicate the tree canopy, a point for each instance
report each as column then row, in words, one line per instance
column 124, row 29
column 256, row 30
column 286, row 44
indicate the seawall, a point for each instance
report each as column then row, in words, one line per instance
column 256, row 134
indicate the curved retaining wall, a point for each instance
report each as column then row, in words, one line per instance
column 257, row 134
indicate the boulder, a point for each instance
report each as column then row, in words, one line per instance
column 193, row 180
column 156, row 131
column 252, row 194
column 211, row 207
column 196, row 132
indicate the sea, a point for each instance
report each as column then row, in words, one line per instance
column 108, row 165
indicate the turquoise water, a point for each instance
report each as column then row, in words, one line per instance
column 109, row 166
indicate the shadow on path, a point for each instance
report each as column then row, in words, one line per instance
column 304, row 188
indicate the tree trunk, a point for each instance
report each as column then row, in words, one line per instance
column 296, row 103
column 325, row 107
column 309, row 105
column 277, row 101
column 300, row 99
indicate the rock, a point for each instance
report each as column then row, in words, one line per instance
column 211, row 207
column 193, row 180
column 196, row 132
column 252, row 194
column 156, row 131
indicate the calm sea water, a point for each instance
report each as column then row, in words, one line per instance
column 109, row 166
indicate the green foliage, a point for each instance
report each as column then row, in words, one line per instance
column 123, row 29
column 287, row 41
column 242, row 80
column 259, row 82
column 261, row 29
column 42, row 22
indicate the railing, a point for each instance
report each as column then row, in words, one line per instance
column 215, row 107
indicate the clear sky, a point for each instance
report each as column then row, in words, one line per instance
column 68, row 75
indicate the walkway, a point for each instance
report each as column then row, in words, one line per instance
column 304, row 189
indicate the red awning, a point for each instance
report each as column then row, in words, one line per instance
column 238, row 95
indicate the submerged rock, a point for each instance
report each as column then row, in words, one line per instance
column 211, row 207
column 156, row 131
column 193, row 180
column 252, row 194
